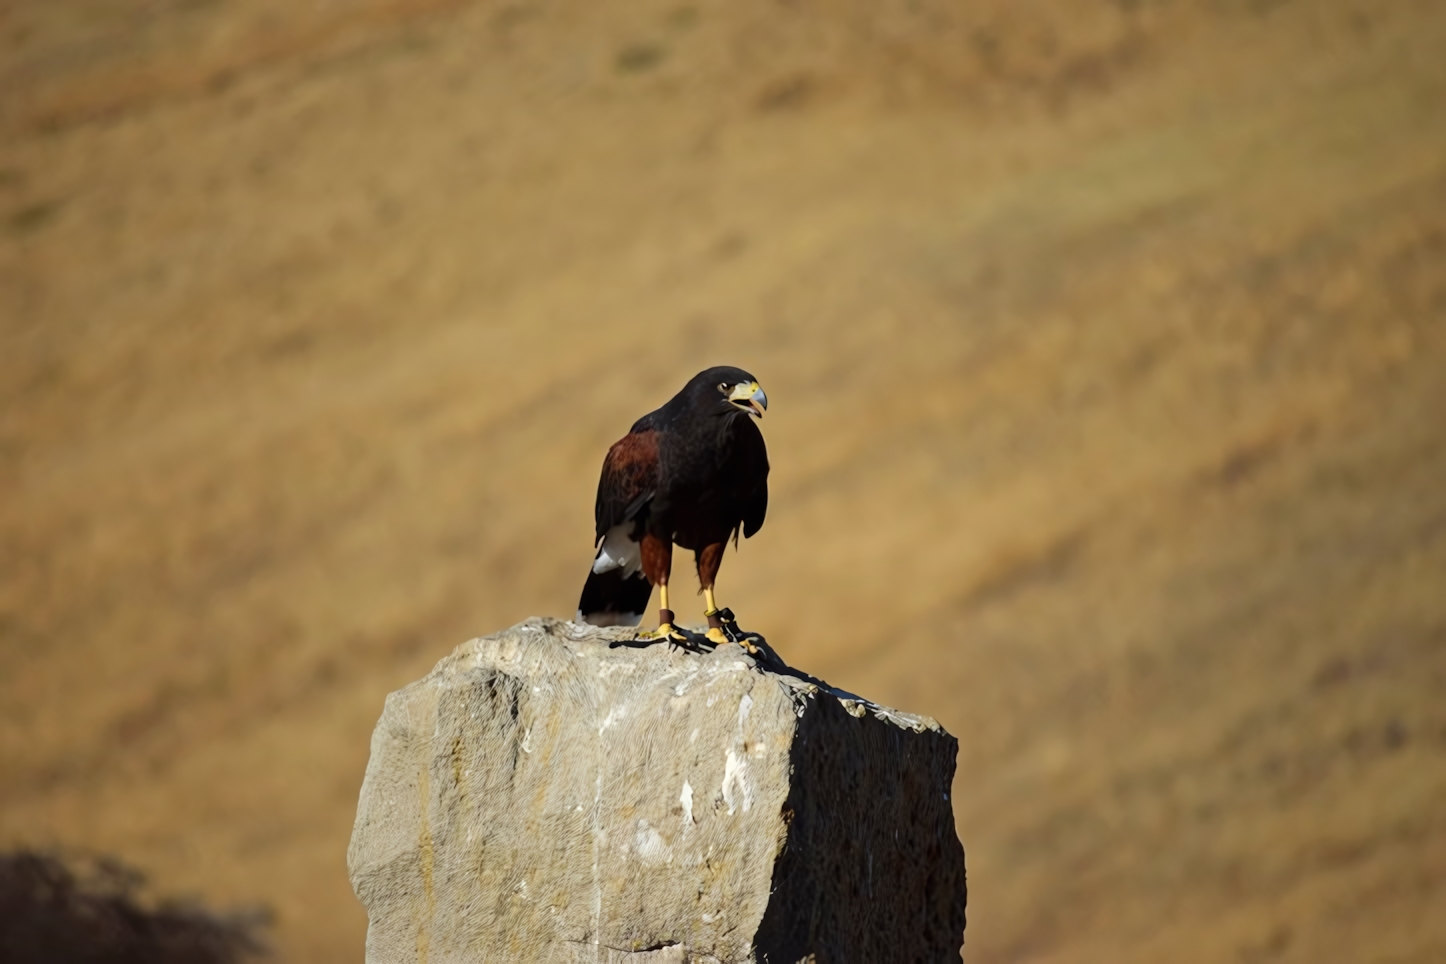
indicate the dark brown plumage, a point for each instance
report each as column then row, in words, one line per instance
column 694, row 473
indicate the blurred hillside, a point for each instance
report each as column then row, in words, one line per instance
column 1106, row 346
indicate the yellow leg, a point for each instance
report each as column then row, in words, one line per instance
column 665, row 616
column 715, row 634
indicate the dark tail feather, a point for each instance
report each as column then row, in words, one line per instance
column 608, row 599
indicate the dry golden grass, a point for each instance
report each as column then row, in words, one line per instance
column 1106, row 344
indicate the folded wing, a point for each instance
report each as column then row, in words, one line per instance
column 616, row 592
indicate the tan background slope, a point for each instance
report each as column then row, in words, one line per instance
column 1106, row 344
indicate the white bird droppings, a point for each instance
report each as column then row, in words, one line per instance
column 736, row 792
column 648, row 844
column 614, row 714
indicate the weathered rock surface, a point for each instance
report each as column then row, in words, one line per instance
column 549, row 795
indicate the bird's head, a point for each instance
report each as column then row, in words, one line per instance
column 726, row 390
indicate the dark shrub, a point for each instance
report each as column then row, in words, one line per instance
column 52, row 914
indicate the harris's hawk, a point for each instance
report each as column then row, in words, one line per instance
column 694, row 473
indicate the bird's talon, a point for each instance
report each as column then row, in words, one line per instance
column 730, row 631
column 716, row 637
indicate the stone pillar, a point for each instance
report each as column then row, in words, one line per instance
column 554, row 794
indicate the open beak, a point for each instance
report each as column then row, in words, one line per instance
column 749, row 397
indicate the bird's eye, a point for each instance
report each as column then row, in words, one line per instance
column 723, row 387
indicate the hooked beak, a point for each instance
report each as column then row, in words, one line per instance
column 749, row 397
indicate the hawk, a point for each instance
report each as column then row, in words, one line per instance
column 694, row 473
